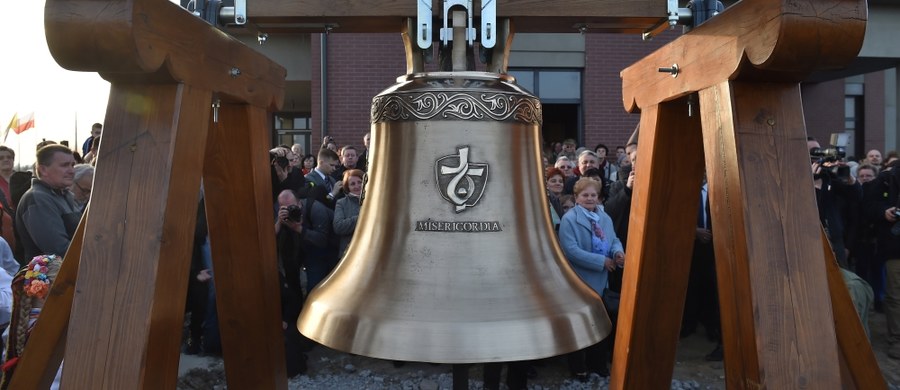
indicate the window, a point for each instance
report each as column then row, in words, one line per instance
column 291, row 128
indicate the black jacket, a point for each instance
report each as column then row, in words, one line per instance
column 883, row 194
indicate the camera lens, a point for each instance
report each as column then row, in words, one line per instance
column 295, row 214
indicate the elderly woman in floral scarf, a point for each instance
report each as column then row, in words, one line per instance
column 587, row 238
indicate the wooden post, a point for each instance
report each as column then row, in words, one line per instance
column 131, row 285
column 774, row 293
column 127, row 311
column 773, row 290
column 668, row 177
column 859, row 368
column 237, row 185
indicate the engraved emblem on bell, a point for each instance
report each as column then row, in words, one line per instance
column 459, row 181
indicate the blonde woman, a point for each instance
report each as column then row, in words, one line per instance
column 587, row 238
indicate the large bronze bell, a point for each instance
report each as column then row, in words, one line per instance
column 454, row 259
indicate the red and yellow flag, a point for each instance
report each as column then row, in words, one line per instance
column 19, row 123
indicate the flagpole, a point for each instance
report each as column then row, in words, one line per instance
column 76, row 131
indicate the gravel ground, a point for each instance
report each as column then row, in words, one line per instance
column 329, row 369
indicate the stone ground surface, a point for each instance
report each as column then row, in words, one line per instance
column 329, row 369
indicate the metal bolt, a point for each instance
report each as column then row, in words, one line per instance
column 239, row 19
column 234, row 72
column 690, row 105
column 771, row 121
column 215, row 108
column 673, row 70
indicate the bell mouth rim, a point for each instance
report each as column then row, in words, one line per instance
column 458, row 74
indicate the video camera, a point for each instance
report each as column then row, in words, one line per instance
column 837, row 151
column 833, row 157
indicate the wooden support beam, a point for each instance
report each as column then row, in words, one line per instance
column 633, row 16
column 158, row 41
column 237, row 185
column 746, row 64
column 39, row 363
column 128, row 308
column 766, row 40
column 165, row 67
column 668, row 176
column 859, row 368
column 772, row 283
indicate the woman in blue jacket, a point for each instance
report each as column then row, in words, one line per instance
column 592, row 248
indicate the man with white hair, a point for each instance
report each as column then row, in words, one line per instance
column 82, row 183
column 586, row 160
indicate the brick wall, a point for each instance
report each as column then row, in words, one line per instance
column 362, row 65
column 359, row 67
column 823, row 109
column 874, row 113
column 605, row 119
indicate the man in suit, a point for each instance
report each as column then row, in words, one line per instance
column 320, row 176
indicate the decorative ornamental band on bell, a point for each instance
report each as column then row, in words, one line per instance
column 488, row 97
column 454, row 258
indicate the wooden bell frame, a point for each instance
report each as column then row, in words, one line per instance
column 117, row 315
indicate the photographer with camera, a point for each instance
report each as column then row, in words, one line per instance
column 284, row 175
column 883, row 208
column 837, row 195
column 292, row 255
column 308, row 225
column 328, row 143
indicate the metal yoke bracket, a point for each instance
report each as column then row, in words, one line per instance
column 425, row 28
column 447, row 33
column 423, row 24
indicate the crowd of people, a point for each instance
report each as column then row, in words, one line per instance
column 589, row 192
column 317, row 200
column 41, row 209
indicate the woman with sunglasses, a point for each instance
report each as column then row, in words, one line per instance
column 566, row 166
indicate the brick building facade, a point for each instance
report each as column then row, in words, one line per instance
column 359, row 66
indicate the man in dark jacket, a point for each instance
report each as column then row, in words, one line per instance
column 882, row 203
column 47, row 214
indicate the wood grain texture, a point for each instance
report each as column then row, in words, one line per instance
column 529, row 15
column 859, row 368
column 128, row 307
column 772, row 282
column 770, row 40
column 668, row 176
column 158, row 41
column 39, row 363
column 238, row 189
